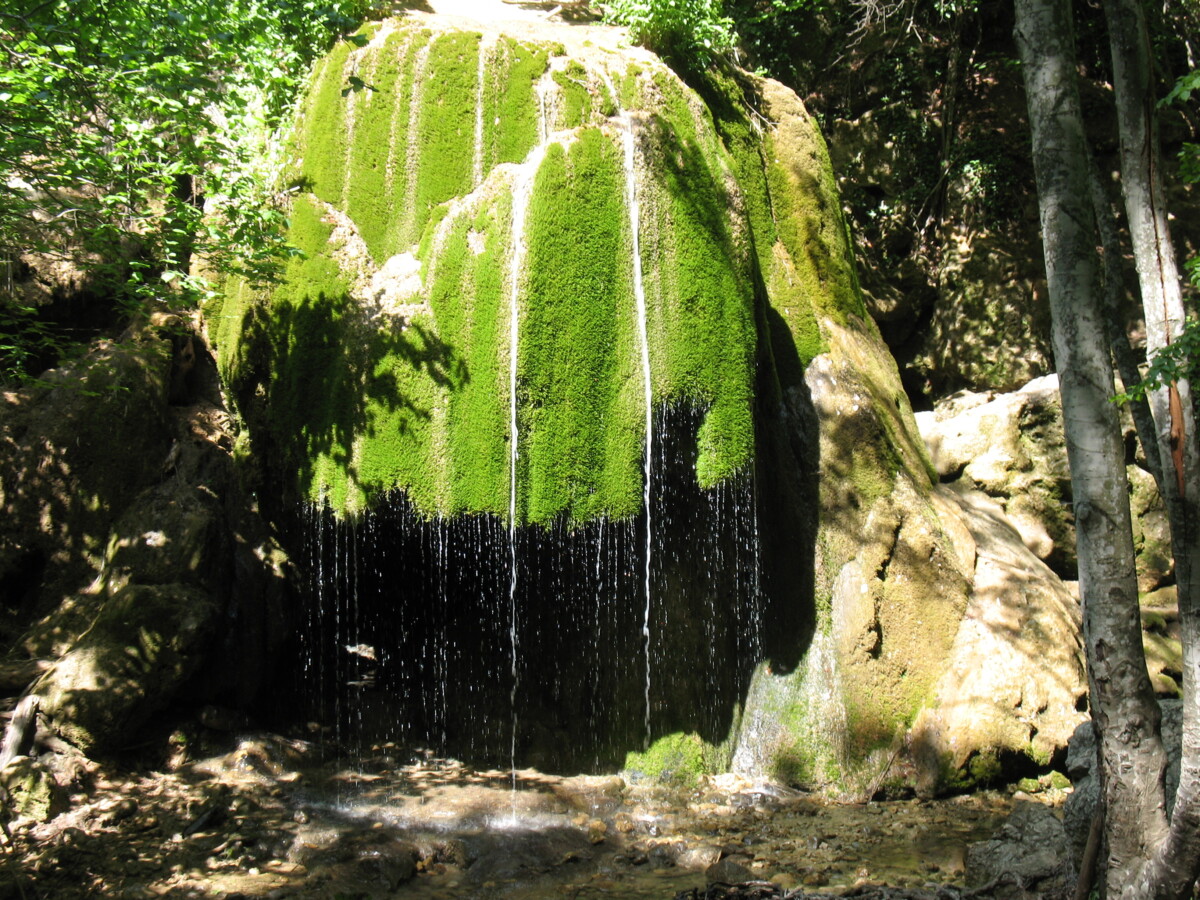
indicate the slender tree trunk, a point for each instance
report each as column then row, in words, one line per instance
column 1175, row 865
column 1122, row 350
column 1123, row 706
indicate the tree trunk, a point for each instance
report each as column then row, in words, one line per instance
column 1124, row 710
column 1175, row 865
column 1122, row 350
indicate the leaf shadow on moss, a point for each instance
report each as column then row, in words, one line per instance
column 315, row 364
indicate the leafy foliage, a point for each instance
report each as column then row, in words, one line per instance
column 120, row 122
column 687, row 32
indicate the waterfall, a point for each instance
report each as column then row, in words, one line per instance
column 425, row 621
column 639, row 293
column 522, row 189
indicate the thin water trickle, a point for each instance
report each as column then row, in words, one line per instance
column 480, row 75
column 522, row 189
column 639, row 293
column 543, row 89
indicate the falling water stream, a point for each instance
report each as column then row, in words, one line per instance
column 639, row 293
column 522, row 189
column 481, row 78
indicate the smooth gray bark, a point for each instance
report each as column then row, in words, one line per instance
column 1124, row 710
column 1122, row 350
column 1177, row 861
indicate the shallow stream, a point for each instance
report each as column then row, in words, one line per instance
column 271, row 819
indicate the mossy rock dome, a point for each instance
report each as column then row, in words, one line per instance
column 462, row 195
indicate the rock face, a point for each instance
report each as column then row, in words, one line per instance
column 1030, row 850
column 539, row 272
column 135, row 564
column 1026, row 699
column 1010, row 446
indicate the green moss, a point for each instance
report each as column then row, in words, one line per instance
column 375, row 176
column 576, row 104
column 360, row 402
column 581, row 432
column 320, row 144
column 510, row 103
column 699, row 287
column 679, row 759
column 810, row 225
column 984, row 768
column 468, row 301
column 445, row 126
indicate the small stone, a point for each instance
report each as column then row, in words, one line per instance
column 785, row 880
column 729, row 870
column 33, row 792
column 1058, row 781
column 699, row 857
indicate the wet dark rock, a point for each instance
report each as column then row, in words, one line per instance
column 597, row 795
column 1030, row 850
column 387, row 866
column 730, row 870
column 507, row 855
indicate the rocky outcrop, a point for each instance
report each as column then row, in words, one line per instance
column 526, row 237
column 140, row 574
column 1027, row 854
column 1015, row 682
column 76, row 452
column 1010, row 446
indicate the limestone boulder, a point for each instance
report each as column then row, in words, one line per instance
column 951, row 649
column 145, row 643
column 33, row 793
column 893, row 578
column 1014, row 682
column 1011, row 447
